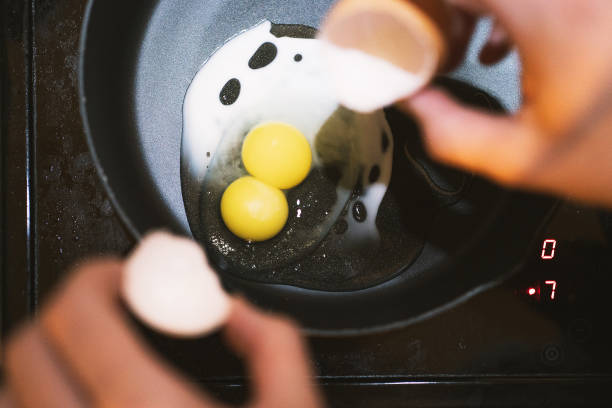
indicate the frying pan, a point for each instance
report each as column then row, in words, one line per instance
column 137, row 60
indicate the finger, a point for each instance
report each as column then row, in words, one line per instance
column 86, row 326
column 500, row 147
column 519, row 17
column 464, row 24
column 276, row 356
column 497, row 46
column 34, row 375
column 472, row 6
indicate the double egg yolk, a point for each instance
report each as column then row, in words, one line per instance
column 277, row 156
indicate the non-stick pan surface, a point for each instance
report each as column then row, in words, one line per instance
column 137, row 61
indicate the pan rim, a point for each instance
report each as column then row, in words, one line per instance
column 87, row 129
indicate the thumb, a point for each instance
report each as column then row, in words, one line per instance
column 501, row 147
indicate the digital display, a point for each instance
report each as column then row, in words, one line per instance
column 565, row 275
column 544, row 288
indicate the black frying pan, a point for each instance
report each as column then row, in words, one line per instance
column 137, row 60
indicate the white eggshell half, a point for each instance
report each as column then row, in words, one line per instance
column 169, row 285
column 365, row 83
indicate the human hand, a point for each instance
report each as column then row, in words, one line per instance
column 81, row 351
column 561, row 140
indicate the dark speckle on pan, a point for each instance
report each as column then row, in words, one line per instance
column 385, row 142
column 265, row 54
column 374, row 174
column 230, row 92
column 297, row 57
column 357, row 190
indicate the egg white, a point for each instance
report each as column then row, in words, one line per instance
column 297, row 93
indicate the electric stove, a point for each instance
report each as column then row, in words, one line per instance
column 540, row 339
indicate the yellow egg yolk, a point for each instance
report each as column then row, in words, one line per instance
column 254, row 210
column 277, row 154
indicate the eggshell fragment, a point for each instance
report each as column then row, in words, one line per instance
column 366, row 83
column 379, row 52
column 169, row 285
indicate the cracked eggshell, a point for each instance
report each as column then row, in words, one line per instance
column 169, row 285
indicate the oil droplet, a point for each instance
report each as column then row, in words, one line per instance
column 359, row 212
column 374, row 174
column 385, row 142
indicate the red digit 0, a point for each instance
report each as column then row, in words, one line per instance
column 545, row 247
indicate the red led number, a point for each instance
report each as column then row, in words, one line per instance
column 553, row 285
column 548, row 248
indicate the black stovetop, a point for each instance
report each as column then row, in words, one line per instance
column 517, row 344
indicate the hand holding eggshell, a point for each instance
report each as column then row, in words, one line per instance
column 81, row 350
